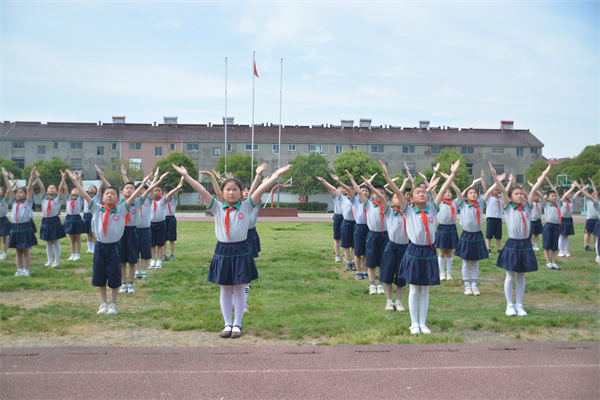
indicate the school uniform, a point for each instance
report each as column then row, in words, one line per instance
column 446, row 236
column 471, row 245
column 232, row 263
column 552, row 228
column 494, row 217
column 21, row 233
column 143, row 224
column 378, row 235
column 73, row 223
column 517, row 255
column 347, row 230
column 108, row 227
column 253, row 238
column 158, row 212
column 51, row 228
column 170, row 220
column 338, row 217
column 395, row 248
column 536, row 218
column 129, row 243
column 596, row 208
column 591, row 220
column 419, row 265
column 566, row 218
column 4, row 222
column 361, row 228
column 87, row 215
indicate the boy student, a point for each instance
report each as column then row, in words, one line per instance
column 493, row 213
column 171, row 222
column 348, row 224
column 338, row 217
column 591, row 221
column 594, row 200
column 377, row 236
column 108, row 224
column 551, row 229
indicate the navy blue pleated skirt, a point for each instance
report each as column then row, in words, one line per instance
column 254, row 242
column 536, row 227
column 390, row 264
column 517, row 255
column 597, row 229
column 232, row 264
column 566, row 226
column 446, row 236
column 74, row 225
column 22, row 236
column 419, row 266
column 471, row 246
column 52, row 229
column 4, row 226
column 87, row 222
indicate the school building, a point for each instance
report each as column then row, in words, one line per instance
column 84, row 144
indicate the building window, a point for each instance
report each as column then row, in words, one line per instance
column 376, row 149
column 470, row 168
column 77, row 164
column 436, row 149
column 171, row 146
column 533, row 150
column 466, row 150
column 275, row 149
column 339, row 149
column 216, row 152
column 20, row 161
column 519, row 152
column 99, row 150
column 76, row 145
column 41, row 149
column 499, row 168
column 291, row 147
column 135, row 163
column 113, row 162
column 193, row 147
column 229, row 148
column 520, row 178
column 114, row 146
column 158, row 151
column 497, row 150
column 408, row 149
column 353, row 147
column 55, row 145
column 412, row 168
column 135, row 146
column 315, row 148
column 248, row 147
column 18, row 145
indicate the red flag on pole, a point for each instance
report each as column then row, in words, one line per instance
column 255, row 72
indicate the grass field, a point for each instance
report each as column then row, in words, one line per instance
column 301, row 296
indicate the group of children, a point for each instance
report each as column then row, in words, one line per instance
column 400, row 237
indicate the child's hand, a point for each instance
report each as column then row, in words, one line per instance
column 163, row 176
column 260, row 169
column 436, row 168
column 4, row 172
column 123, row 170
column 454, row 167
column 383, row 167
column 282, row 170
column 493, row 171
column 180, row 185
column 445, row 175
column 181, row 170
column 334, row 177
column 350, row 175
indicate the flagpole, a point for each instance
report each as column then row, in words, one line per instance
column 225, row 115
column 252, row 148
column 279, row 145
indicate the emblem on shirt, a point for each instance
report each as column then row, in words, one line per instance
column 116, row 218
column 24, row 205
column 431, row 220
column 54, row 203
column 241, row 216
column 526, row 215
column 162, row 204
column 133, row 212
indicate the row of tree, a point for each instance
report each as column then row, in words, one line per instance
column 306, row 167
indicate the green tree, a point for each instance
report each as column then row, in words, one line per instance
column 357, row 163
column 179, row 159
column 112, row 173
column 238, row 165
column 49, row 171
column 11, row 166
column 303, row 171
column 446, row 159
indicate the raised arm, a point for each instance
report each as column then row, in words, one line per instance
column 175, row 190
column 499, row 185
column 483, row 186
column 139, row 190
column 155, row 183
column 356, row 188
column 488, row 193
column 123, row 174
column 40, row 184
column 393, row 186
column 446, row 185
column 539, row 182
column 76, row 183
column 568, row 192
column 197, row 186
column 409, row 175
column 103, row 180
column 330, row 188
column 551, row 185
column 9, row 193
column 217, row 176
column 376, row 193
column 63, row 185
column 216, row 188
column 459, row 194
column 475, row 182
column 343, row 185
column 259, row 170
column 267, row 183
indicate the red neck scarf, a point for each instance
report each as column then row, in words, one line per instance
column 520, row 208
column 537, row 206
column 105, row 219
column 399, row 211
column 155, row 200
column 497, row 198
column 169, row 206
column 474, row 204
column 17, row 212
column 567, row 201
column 426, row 223
column 449, row 202
column 227, row 220
column 380, row 214
column 49, row 205
column 73, row 205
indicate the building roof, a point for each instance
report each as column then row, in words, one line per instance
column 269, row 133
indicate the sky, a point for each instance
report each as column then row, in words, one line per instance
column 466, row 64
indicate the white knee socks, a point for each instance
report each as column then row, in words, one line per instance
column 423, row 304
column 520, row 287
column 474, row 272
column 418, row 302
column 448, row 265
column 53, row 246
column 49, row 251
column 508, row 286
column 239, row 292
column 226, row 292
column 441, row 264
column 465, row 272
